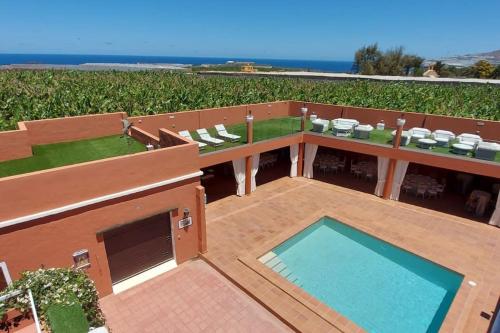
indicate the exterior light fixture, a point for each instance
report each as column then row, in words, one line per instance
column 186, row 220
column 249, row 117
column 381, row 125
column 401, row 122
column 303, row 110
column 81, row 259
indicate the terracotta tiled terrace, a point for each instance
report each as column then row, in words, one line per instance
column 241, row 229
column 191, row 298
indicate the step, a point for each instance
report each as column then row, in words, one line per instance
column 273, row 262
column 285, row 272
column 279, row 267
column 267, row 257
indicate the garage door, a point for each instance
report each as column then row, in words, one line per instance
column 138, row 246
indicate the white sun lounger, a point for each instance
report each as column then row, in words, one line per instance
column 223, row 133
column 207, row 138
column 187, row 135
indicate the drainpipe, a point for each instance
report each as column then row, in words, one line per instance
column 389, row 179
column 248, row 159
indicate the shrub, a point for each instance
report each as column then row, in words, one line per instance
column 63, row 286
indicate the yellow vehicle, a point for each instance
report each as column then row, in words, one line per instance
column 247, row 68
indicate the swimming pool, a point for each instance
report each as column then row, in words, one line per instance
column 378, row 286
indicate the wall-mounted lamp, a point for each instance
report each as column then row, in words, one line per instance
column 249, row 118
column 81, row 259
column 186, row 220
column 303, row 110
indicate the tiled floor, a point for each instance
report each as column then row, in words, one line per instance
column 191, row 298
column 238, row 226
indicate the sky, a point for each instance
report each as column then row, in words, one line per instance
column 322, row 29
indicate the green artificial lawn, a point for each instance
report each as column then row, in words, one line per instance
column 66, row 153
column 67, row 319
column 262, row 130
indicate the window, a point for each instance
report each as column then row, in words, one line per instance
column 5, row 279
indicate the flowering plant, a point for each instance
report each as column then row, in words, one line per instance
column 54, row 286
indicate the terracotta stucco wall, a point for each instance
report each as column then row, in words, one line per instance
column 14, row 145
column 144, row 137
column 323, row 111
column 74, row 128
column 31, row 193
column 52, row 243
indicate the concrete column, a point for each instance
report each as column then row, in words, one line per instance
column 389, row 179
column 249, row 159
column 300, row 162
column 202, row 225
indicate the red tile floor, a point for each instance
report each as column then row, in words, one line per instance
column 191, row 298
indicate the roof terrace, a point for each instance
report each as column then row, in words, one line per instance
column 67, row 153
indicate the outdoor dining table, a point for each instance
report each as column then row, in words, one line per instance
column 426, row 143
column 461, row 149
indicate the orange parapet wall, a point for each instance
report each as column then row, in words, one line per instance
column 15, row 144
column 74, row 128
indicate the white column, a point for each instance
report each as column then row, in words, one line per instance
column 495, row 218
column 239, row 175
column 382, row 165
column 399, row 176
column 255, row 169
column 294, row 158
column 309, row 156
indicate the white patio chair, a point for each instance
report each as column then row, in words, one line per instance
column 224, row 134
column 187, row 135
column 418, row 133
column 487, row 150
column 469, row 139
column 320, row 125
column 443, row 137
column 343, row 126
column 207, row 138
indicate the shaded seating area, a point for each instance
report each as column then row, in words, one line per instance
column 329, row 163
column 422, row 186
column 461, row 194
column 343, row 168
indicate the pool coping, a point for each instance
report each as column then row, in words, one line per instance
column 454, row 320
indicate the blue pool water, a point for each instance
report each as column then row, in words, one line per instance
column 378, row 286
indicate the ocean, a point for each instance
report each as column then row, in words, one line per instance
column 77, row 59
